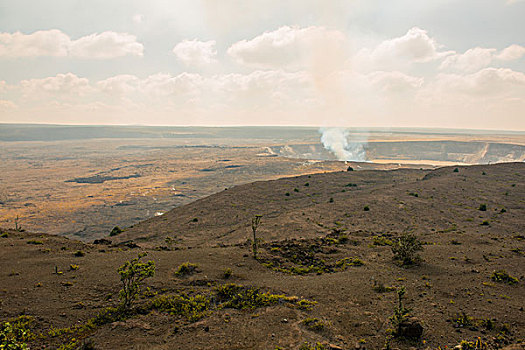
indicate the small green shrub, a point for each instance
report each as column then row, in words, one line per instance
column 400, row 311
column 314, row 324
column 502, row 276
column 79, row 253
column 240, row 297
column 287, row 194
column 381, row 241
column 366, row 208
column 456, row 170
column 116, row 231
column 343, row 263
column 381, row 288
column 406, row 248
column 482, row 207
column 193, row 308
column 35, row 242
column 256, row 221
column 227, row 273
column 186, row 269
column 485, row 223
column 4, row 235
column 316, row 346
column 132, row 274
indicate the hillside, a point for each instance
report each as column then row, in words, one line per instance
column 325, row 240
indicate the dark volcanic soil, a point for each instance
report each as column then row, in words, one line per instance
column 316, row 233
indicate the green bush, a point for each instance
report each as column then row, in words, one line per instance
column 15, row 333
column 382, row 241
column 227, row 273
column 186, row 269
column 405, row 249
column 314, row 324
column 502, row 276
column 35, row 242
column 482, row 207
column 132, row 274
column 116, row 231
column 400, row 311
column 193, row 308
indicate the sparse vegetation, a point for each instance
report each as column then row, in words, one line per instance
column 482, row 207
column 309, row 346
column 406, row 248
column 193, row 308
column 227, row 273
column 115, row 231
column 240, row 297
column 256, row 221
column 381, row 288
column 186, row 269
column 503, row 276
column 366, row 208
column 15, row 333
column 18, row 228
column 314, row 324
column 382, row 241
column 132, row 274
column 35, row 242
column 79, row 253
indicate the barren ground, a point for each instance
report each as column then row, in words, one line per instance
column 304, row 221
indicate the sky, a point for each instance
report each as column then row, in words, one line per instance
column 349, row 63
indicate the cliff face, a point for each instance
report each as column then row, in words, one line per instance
column 473, row 152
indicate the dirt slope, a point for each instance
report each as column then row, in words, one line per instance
column 308, row 234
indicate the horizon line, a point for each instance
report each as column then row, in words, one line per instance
column 382, row 128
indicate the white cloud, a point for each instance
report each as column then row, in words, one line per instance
column 106, row 45
column 55, row 43
column 196, row 52
column 288, row 47
column 470, row 61
column 62, row 85
column 414, row 46
column 119, row 84
column 511, row 53
column 487, row 82
column 41, row 43
column 477, row 58
column 394, row 82
column 162, row 84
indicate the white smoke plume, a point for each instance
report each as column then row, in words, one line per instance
column 344, row 145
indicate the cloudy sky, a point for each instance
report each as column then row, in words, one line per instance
column 377, row 63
